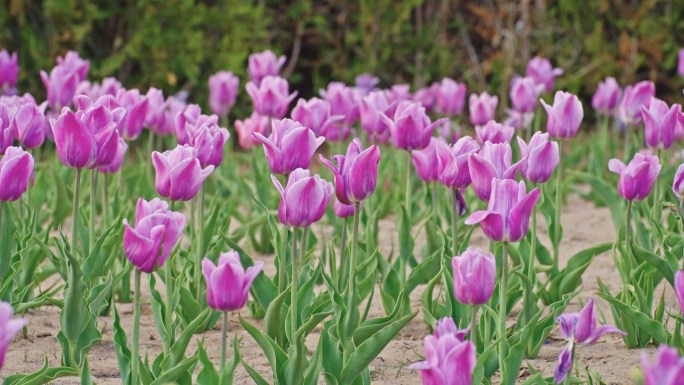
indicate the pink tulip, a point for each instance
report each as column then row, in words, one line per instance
column 659, row 123
column 678, row 183
column 316, row 115
column 343, row 102
column 209, row 139
column 263, row 64
column 518, row 120
column 179, row 173
column 191, row 116
column 494, row 132
column 304, row 199
column 223, row 89
column 446, row 326
column 16, row 172
column 452, row 162
column 356, row 174
column 366, row 83
column 60, row 85
column 73, row 62
column 136, row 106
column 524, row 94
column 290, row 146
column 108, row 86
column 9, row 327
column 606, row 97
column 246, row 128
column 582, row 327
column 679, row 289
column 451, row 97
column 342, row 210
column 538, row 158
column 427, row 96
column 564, row 116
column 371, row 106
column 448, row 361
column 508, row 212
column 425, row 161
column 271, row 97
column 680, row 63
column 410, row 129
column 482, row 108
column 9, row 72
column 28, row 125
column 634, row 97
column 157, row 229
column 117, row 162
column 156, row 111
column 668, row 368
column 228, row 283
column 564, row 364
column 474, row 276
column 492, row 162
column 541, row 70
column 637, row 177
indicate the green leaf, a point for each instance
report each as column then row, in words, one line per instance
column 655, row 329
column 172, row 375
column 42, row 376
column 208, row 374
column 123, row 354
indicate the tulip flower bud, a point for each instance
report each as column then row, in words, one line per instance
column 315, row 114
column 16, row 172
column 372, row 105
column 264, row 64
column 155, row 119
column 634, row 97
column 28, row 125
column 247, row 128
column 448, row 360
column 343, row 211
column 446, row 326
column 366, row 83
column 427, row 96
column 474, row 276
column 564, row 116
column 606, row 97
column 494, row 132
column 9, row 327
column 668, row 368
column 228, row 283
column 73, row 62
column 425, row 161
column 541, row 70
column 538, row 158
column 223, row 89
column 9, row 72
column 660, row 122
column 209, row 140
column 524, row 94
column 343, row 102
column 678, row 184
column 356, row 174
column 60, row 85
column 637, row 177
column 492, row 162
column 452, row 162
column 451, row 97
column 179, row 173
column 304, row 199
column 271, row 97
column 157, row 229
column 410, row 129
column 117, row 162
column 482, row 108
column 679, row 289
column 136, row 106
column 290, row 146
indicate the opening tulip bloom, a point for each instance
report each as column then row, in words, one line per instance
column 60, row 85
column 474, row 276
column 659, row 123
column 191, row 116
column 446, row 326
column 16, row 172
column 668, row 368
column 634, row 97
column 179, row 173
column 156, row 232
column 246, row 128
column 508, row 213
column 679, row 289
column 564, row 116
column 492, row 162
column 494, row 132
column 524, row 94
column 482, row 108
column 209, row 140
column 28, row 125
column 264, row 64
column 9, row 72
column 304, row 199
column 271, row 97
column 410, row 129
column 451, row 97
column 372, row 105
column 9, row 327
column 637, row 177
column 606, row 97
column 356, row 173
column 290, row 146
column 452, row 162
column 223, row 89
column 316, row 114
column 539, row 158
column 425, row 161
column 448, row 360
column 228, row 283
column 343, row 102
column 541, row 70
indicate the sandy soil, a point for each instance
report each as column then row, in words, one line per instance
column 584, row 226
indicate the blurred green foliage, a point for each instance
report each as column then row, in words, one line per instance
column 178, row 44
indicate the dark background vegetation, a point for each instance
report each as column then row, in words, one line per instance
column 178, row 44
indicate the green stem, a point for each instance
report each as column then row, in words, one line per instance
column 628, row 224
column 343, row 250
column 224, row 337
column 282, row 264
column 454, row 224
column 435, row 204
column 656, row 193
column 627, row 144
column 293, row 290
column 473, row 324
column 533, row 245
column 135, row 365
column 557, row 213
column 74, row 215
column 200, row 241
column 93, row 208
column 407, row 194
column 354, row 255
column 503, row 313
column 105, row 201
column 168, row 318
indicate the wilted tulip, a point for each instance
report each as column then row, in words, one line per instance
column 410, row 129
column 541, row 70
column 538, row 158
column 637, row 177
column 271, row 97
column 290, row 146
column 524, row 94
column 508, row 212
column 228, row 283
column 28, row 125
column 264, row 64
column 343, row 102
column 304, row 199
column 606, row 97
column 452, row 162
column 492, row 162
column 370, row 108
column 451, row 97
column 564, row 363
column 157, row 229
column 135, row 105
column 634, row 97
column 366, row 83
column 209, row 140
column 9, row 72
column 668, row 368
column 582, row 327
column 343, row 211
column 16, row 172
column 494, row 132
column 179, row 173
column 223, row 89
column 315, row 114
column 117, row 162
column 9, row 327
column 474, row 276
column 246, row 128
column 564, row 116
column 482, row 108
column 659, row 123
column 446, row 326
column 448, row 361
column 356, row 173
column 679, row 289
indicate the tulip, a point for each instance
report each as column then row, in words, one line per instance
column 564, row 116
column 246, row 128
column 6, row 137
column 223, row 89
column 518, row 120
column 524, row 94
column 494, row 132
column 343, row 102
column 60, row 85
column 400, row 92
column 316, row 115
column 209, row 140
column 410, row 129
column 606, row 97
column 448, row 361
column 174, row 108
column 637, row 177
column 28, row 125
column 264, row 64
column 304, row 198
column 117, row 162
column 179, row 173
column 425, row 161
column 474, row 276
column 342, row 210
column 539, row 158
column 108, row 86
column 447, row 133
column 680, row 63
column 356, row 173
column 452, row 162
column 136, row 106
column 228, row 283
column 372, row 105
column 634, row 97
column 73, row 62
column 541, row 70
column 191, row 116
column 156, row 111
column 668, row 368
column 290, row 146
column 366, row 83
column 446, row 326
column 451, row 97
column 492, row 162
column 9, row 72
column 564, row 364
column 16, row 172
column 659, row 123
column 678, row 184
column 482, row 108
column 679, row 289
column 271, row 97
column 9, row 327
column 427, row 96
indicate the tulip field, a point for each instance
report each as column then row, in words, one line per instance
column 373, row 234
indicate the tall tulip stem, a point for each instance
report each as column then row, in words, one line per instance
column 293, row 289
column 355, row 252
column 135, row 366
column 74, row 215
column 93, row 209
column 533, row 245
column 168, row 316
column 473, row 324
column 628, row 224
column 105, row 201
column 343, row 258
column 503, row 314
column 656, row 191
column 224, row 337
column 557, row 213
column 454, row 223
column 200, row 242
column 407, row 194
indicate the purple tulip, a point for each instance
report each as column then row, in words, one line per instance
column 668, row 368
column 9, row 327
column 342, row 210
column 678, row 184
column 191, row 116
column 448, row 361
column 290, row 146
column 304, row 199
column 524, row 94
column 209, row 139
column 659, row 123
column 399, row 93
column 680, row 63
column 508, row 212
column 223, row 89
column 136, row 106
column 564, row 364
column 564, row 116
column 518, row 120
column 156, row 232
column 494, row 132
column 541, row 70
column 72, row 61
column 156, row 111
column 179, row 173
column 634, row 97
column 315, row 114
column 271, row 97
column 581, row 327
column 228, row 283
column 343, row 102
column 263, row 64
column 446, row 326
column 9, row 72
column 492, row 162
column 679, row 288
column 6, row 137
column 16, row 172
column 366, row 83
column 451, row 97
column 174, row 108
column 474, row 276
column 538, row 158
column 410, row 129
column 356, row 173
column 427, row 96
column 108, row 86
column 425, row 161
column 117, row 162
column 482, row 108
column 60, row 85
column 28, row 125
column 606, row 97
column 370, row 108
column 246, row 128
column 637, row 177
column 452, row 162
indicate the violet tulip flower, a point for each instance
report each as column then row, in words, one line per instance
column 290, row 146
column 223, row 89
column 474, row 276
column 494, row 132
column 539, row 158
column 634, row 97
column 343, row 102
column 582, row 327
column 637, row 177
column 304, row 199
column 678, row 183
column 209, row 140
column 264, row 64
column 16, row 172
column 564, row 364
column 366, row 83
column 410, row 129
column 659, row 123
column 448, row 360
column 271, row 97
column 425, row 161
column 482, row 108
column 508, row 212
column 680, row 62
column 228, row 283
column 524, row 93
column 342, row 210
column 370, row 108
column 606, row 97
column 679, row 289
column 452, row 162
column 136, row 106
column 541, row 70
column 156, row 111
column 179, row 173
column 493, row 161
column 668, row 368
column 60, row 85
column 356, row 173
column 564, row 116
column 446, row 326
column 9, row 72
column 191, row 116
column 28, row 125
column 157, row 229
column 451, row 97
column 427, row 96
column 73, row 62
column 117, row 162
column 315, row 114
column 6, row 137
column 246, row 128
column 9, row 327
